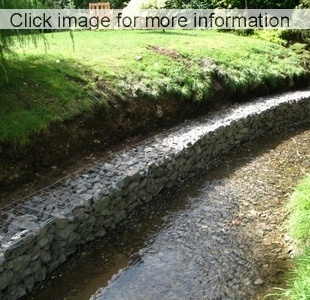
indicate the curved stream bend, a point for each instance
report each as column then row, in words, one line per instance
column 229, row 242
column 235, row 211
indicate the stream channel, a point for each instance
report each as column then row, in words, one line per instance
column 218, row 235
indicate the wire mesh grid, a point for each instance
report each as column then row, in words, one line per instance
column 19, row 220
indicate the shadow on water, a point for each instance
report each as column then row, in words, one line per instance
column 97, row 262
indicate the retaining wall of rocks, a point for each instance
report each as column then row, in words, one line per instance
column 39, row 233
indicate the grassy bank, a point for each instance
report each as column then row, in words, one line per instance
column 68, row 78
column 299, row 229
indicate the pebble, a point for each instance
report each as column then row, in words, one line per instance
column 259, row 281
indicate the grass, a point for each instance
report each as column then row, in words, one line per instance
column 273, row 36
column 72, row 78
column 299, row 229
column 36, row 94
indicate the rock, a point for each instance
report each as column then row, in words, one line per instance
column 259, row 281
column 40, row 275
column 35, row 252
column 88, row 200
column 102, row 205
column 20, row 263
column 132, row 187
column 45, row 257
column 5, row 278
column 2, row 258
column 53, row 266
column 63, row 233
column 244, row 130
column 43, row 242
column 35, row 265
column 62, row 221
column 17, row 291
column 29, row 283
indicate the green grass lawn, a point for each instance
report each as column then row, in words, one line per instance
column 299, row 229
column 67, row 78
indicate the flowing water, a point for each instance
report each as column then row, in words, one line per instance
column 218, row 235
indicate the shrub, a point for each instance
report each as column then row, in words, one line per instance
column 298, row 35
column 241, row 4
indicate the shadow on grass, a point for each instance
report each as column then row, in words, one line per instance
column 41, row 89
column 168, row 32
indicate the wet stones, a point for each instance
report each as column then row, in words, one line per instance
column 38, row 236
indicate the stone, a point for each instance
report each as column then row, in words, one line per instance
column 120, row 203
column 102, row 205
column 2, row 259
column 20, row 263
column 35, row 265
column 64, row 233
column 62, row 258
column 62, row 221
column 5, row 278
column 29, row 283
column 244, row 130
column 259, row 281
column 34, row 252
column 43, row 242
column 80, row 213
column 58, row 246
column 101, row 195
column 17, row 291
column 119, row 215
column 73, row 237
column 52, row 266
column 174, row 176
column 42, row 232
column 37, row 199
column 45, row 257
column 40, row 275
column 132, row 187
column 85, row 229
column 19, row 276
column 18, row 235
column 133, row 206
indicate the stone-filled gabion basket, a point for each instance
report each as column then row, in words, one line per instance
column 38, row 233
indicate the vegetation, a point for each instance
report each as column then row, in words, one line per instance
column 56, row 3
column 32, row 93
column 298, row 35
column 187, row 65
column 207, row 4
column 299, row 228
column 83, row 4
column 254, row 4
column 8, row 38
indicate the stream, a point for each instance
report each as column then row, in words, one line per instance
column 218, row 235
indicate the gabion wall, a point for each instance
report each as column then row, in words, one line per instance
column 40, row 232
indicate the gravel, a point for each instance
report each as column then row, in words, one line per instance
column 230, row 242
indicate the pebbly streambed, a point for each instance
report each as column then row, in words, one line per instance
column 40, row 233
column 230, row 242
column 218, row 235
